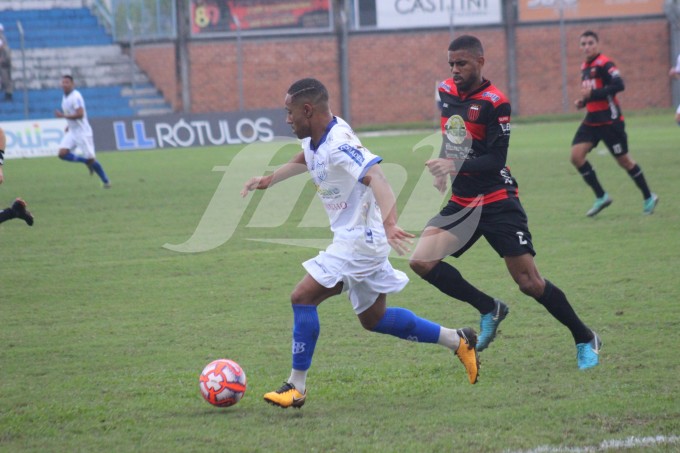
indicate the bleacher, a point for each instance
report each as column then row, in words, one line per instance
column 54, row 28
column 64, row 40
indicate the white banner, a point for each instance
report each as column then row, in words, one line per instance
column 33, row 138
column 436, row 13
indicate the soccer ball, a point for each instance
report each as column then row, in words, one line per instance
column 222, row 383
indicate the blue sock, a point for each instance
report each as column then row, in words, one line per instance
column 73, row 158
column 97, row 167
column 404, row 324
column 305, row 333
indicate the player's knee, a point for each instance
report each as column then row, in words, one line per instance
column 420, row 267
column 298, row 297
column 532, row 287
column 577, row 161
column 368, row 324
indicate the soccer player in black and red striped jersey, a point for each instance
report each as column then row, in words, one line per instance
column 600, row 81
column 475, row 123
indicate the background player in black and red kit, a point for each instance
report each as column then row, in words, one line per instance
column 600, row 81
column 484, row 202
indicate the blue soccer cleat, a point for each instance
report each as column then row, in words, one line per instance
column 488, row 324
column 588, row 354
column 650, row 204
column 600, row 203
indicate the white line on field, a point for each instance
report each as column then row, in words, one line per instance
column 616, row 444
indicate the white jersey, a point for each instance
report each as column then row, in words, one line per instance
column 69, row 104
column 677, row 64
column 337, row 165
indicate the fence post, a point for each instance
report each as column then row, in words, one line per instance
column 23, row 66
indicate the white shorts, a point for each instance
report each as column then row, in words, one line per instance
column 364, row 277
column 678, row 110
column 84, row 143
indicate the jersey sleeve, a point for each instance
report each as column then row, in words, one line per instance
column 354, row 158
column 612, row 82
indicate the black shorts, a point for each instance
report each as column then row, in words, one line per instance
column 503, row 224
column 613, row 135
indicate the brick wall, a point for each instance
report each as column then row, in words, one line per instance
column 640, row 49
column 158, row 62
column 393, row 75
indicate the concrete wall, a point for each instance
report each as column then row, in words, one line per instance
column 393, row 75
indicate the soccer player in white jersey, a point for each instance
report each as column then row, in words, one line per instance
column 675, row 73
column 78, row 131
column 361, row 208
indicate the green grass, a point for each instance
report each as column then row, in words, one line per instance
column 103, row 332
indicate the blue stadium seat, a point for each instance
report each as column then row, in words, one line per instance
column 54, row 28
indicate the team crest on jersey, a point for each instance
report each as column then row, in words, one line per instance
column 455, row 129
column 473, row 112
column 354, row 154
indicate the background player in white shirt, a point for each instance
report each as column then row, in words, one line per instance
column 78, row 131
column 362, row 211
column 675, row 73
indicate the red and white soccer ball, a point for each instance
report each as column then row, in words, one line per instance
column 222, row 383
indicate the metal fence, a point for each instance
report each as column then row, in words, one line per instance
column 142, row 20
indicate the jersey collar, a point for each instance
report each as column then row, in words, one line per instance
column 314, row 147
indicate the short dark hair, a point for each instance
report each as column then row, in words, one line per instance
column 590, row 33
column 67, row 76
column 309, row 89
column 467, row 42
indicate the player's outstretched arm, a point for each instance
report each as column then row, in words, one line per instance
column 398, row 238
column 293, row 167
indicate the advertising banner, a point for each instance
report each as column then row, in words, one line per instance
column 38, row 138
column 220, row 16
column 189, row 130
column 549, row 10
column 34, row 138
column 395, row 14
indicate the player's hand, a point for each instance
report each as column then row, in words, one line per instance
column 579, row 103
column 441, row 167
column 58, row 113
column 441, row 183
column 2, row 178
column 398, row 238
column 254, row 183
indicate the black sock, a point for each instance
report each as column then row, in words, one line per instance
column 7, row 214
column 449, row 281
column 590, row 177
column 554, row 300
column 639, row 178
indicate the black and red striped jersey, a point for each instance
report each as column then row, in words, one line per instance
column 476, row 134
column 602, row 75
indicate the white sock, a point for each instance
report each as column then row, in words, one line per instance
column 449, row 338
column 298, row 378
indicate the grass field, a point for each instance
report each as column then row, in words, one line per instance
column 104, row 331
